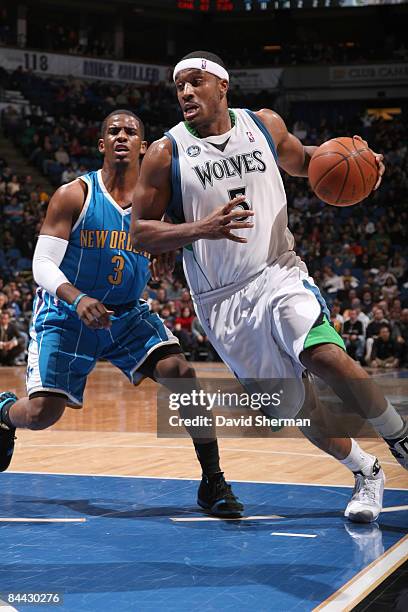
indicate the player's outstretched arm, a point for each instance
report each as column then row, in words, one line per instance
column 293, row 156
column 64, row 208
column 151, row 198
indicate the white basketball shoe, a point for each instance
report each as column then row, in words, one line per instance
column 366, row 502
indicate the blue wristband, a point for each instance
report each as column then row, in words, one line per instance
column 77, row 300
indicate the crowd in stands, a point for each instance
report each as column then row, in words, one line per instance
column 318, row 53
column 357, row 255
column 60, row 37
column 56, row 36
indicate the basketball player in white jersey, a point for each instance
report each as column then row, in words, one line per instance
column 253, row 296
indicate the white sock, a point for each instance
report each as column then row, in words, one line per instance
column 389, row 424
column 358, row 460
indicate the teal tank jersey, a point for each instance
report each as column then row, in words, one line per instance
column 101, row 262
column 100, row 259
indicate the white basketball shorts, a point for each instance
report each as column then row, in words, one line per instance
column 260, row 328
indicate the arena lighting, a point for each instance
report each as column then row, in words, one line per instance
column 387, row 114
column 272, row 47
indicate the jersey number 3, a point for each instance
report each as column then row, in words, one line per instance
column 116, row 277
column 234, row 193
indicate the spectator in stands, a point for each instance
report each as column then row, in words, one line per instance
column 398, row 265
column 383, row 304
column 185, row 320
column 361, row 316
column 383, row 275
column 346, row 295
column 335, row 311
column 379, row 320
column 161, row 295
column 182, row 330
column 3, row 299
column 11, row 342
column 331, row 282
column 68, row 175
column 14, row 305
column 373, row 330
column 62, row 156
column 14, row 210
column 367, row 302
column 13, row 185
column 353, row 336
column 167, row 317
column 389, row 290
column 385, row 351
column 155, row 306
column 175, row 289
column 349, row 278
column 184, row 301
column 174, row 312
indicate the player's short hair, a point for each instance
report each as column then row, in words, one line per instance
column 205, row 55
column 122, row 111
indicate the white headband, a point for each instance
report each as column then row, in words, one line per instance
column 201, row 63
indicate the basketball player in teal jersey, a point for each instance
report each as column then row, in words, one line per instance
column 253, row 295
column 88, row 305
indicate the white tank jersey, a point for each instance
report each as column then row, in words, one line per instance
column 207, row 173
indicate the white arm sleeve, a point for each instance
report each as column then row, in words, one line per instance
column 48, row 256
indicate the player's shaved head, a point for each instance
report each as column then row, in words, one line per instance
column 122, row 111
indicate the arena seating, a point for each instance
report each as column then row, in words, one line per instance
column 355, row 254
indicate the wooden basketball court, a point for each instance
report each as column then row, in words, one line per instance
column 100, row 512
column 115, row 433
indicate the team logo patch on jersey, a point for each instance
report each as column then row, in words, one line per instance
column 250, row 137
column 193, row 151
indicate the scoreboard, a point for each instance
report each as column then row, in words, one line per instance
column 225, row 6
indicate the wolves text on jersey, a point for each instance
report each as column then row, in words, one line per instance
column 236, row 165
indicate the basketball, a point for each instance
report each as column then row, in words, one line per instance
column 343, row 171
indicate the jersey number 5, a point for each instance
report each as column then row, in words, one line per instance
column 234, row 193
column 116, row 277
